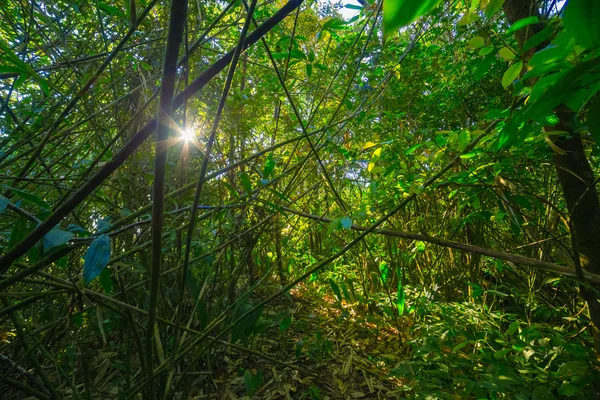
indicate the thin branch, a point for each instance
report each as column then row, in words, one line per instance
column 83, row 90
column 205, row 161
column 119, row 158
column 530, row 262
column 177, row 20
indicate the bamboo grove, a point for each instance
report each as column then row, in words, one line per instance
column 186, row 183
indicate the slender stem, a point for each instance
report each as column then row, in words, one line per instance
column 205, row 161
column 176, row 23
column 16, row 320
column 83, row 90
column 137, row 139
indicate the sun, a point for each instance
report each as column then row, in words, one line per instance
column 187, row 135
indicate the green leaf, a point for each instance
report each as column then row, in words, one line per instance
column 542, row 393
column 103, row 226
column 484, row 66
column 346, row 293
column 469, row 155
column 353, row 7
column 520, row 24
column 110, row 9
column 346, row 222
column 511, row 74
column 20, row 80
column 35, row 253
column 20, row 66
column 467, row 19
column 506, row 53
column 567, row 389
column 420, row 246
column 96, row 258
column 285, row 323
column 269, row 166
column 412, row 149
column 43, row 84
column 581, row 20
column 56, row 237
column 374, row 158
column 498, row 355
column 384, row 269
column 128, row 8
column 398, row 13
column 400, row 301
column 464, row 138
column 11, row 69
column 538, row 38
column 593, row 118
column 62, row 262
column 334, row 225
column 246, row 183
column 18, row 232
column 497, row 293
column 486, row 50
column 252, row 382
column 476, row 42
column 3, row 203
column 106, row 281
column 336, row 290
column 31, row 198
column 79, row 231
column 573, row 368
column 512, row 328
column 493, row 7
column 460, row 346
column 298, row 54
column 10, row 55
column 334, row 24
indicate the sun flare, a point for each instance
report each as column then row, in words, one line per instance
column 187, row 135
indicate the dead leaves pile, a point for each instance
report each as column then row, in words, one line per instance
column 356, row 367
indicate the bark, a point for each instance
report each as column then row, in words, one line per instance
column 574, row 172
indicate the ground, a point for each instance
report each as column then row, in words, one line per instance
column 326, row 352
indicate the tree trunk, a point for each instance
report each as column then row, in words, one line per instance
column 573, row 169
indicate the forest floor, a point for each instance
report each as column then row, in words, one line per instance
column 327, row 351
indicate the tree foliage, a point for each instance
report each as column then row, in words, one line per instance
column 424, row 168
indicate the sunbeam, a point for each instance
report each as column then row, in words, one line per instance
column 188, row 135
